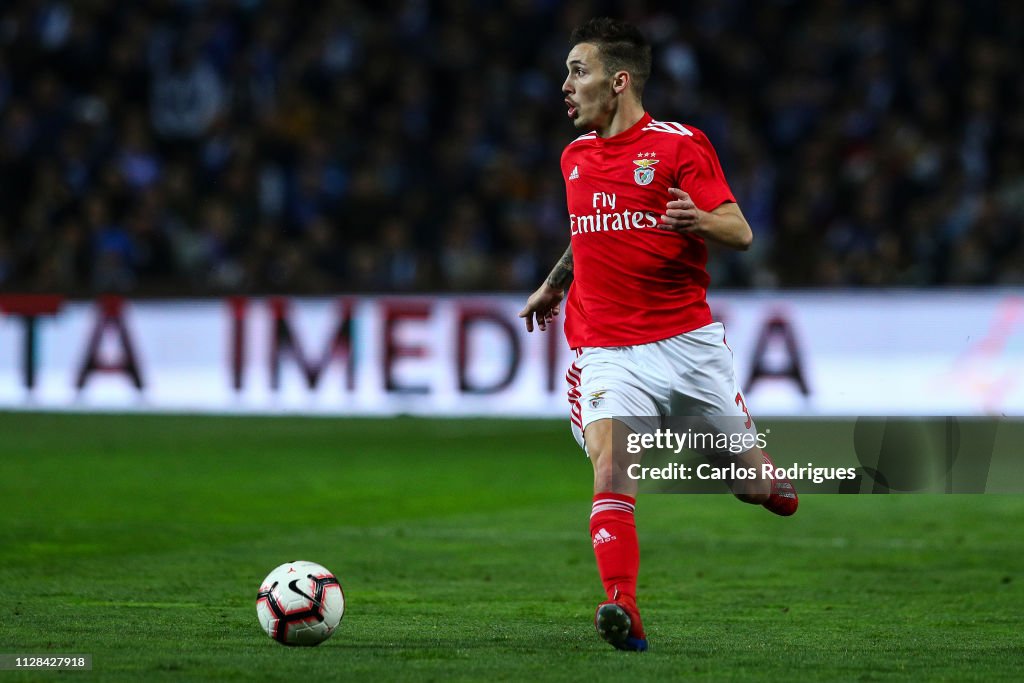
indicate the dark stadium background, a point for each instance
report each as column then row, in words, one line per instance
column 189, row 147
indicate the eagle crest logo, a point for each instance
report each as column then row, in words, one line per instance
column 644, row 173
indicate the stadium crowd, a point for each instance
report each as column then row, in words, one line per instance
column 184, row 147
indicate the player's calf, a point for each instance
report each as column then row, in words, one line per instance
column 776, row 494
column 753, row 490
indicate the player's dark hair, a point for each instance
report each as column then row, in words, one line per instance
column 622, row 47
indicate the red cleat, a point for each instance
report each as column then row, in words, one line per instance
column 618, row 623
column 783, row 500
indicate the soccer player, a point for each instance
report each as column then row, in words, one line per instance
column 643, row 197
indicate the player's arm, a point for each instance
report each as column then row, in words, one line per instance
column 724, row 224
column 543, row 304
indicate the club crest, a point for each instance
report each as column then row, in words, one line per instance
column 644, row 173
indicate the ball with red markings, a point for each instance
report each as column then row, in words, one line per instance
column 300, row 603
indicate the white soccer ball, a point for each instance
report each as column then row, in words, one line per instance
column 300, row 603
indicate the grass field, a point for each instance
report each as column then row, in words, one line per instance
column 464, row 553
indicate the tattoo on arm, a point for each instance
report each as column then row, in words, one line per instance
column 562, row 272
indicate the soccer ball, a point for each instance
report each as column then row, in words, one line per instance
column 300, row 603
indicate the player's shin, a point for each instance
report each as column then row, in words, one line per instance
column 613, row 531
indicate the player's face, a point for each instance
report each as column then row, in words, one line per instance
column 589, row 95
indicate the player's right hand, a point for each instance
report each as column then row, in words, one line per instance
column 542, row 305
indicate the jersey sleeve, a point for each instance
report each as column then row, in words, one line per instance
column 702, row 177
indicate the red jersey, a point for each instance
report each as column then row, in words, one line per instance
column 632, row 282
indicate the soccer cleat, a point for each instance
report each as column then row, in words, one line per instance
column 783, row 500
column 618, row 623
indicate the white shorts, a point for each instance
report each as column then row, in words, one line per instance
column 689, row 375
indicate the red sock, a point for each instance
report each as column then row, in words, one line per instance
column 613, row 531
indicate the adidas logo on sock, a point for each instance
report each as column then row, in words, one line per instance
column 602, row 536
column 575, row 173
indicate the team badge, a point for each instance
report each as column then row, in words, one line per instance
column 597, row 398
column 644, row 174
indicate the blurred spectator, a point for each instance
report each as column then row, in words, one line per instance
column 189, row 147
column 187, row 95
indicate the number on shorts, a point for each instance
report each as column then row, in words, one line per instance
column 743, row 404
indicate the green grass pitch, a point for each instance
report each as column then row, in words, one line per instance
column 464, row 553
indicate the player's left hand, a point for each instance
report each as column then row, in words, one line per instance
column 681, row 214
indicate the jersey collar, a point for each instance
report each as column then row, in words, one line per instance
column 628, row 135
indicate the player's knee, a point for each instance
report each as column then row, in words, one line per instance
column 605, row 473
